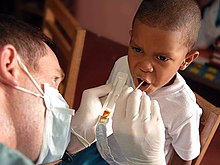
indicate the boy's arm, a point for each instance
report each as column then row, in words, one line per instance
column 185, row 150
column 176, row 160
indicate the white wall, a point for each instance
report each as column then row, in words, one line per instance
column 109, row 18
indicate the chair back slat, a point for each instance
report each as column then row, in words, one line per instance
column 209, row 123
column 69, row 37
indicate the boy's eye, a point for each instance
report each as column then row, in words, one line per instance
column 137, row 50
column 162, row 58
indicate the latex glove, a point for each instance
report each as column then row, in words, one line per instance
column 86, row 117
column 139, row 129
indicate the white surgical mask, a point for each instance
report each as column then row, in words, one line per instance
column 57, row 132
column 57, row 126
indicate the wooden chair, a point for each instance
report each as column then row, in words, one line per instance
column 210, row 121
column 60, row 25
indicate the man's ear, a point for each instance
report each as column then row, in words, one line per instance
column 8, row 65
column 190, row 57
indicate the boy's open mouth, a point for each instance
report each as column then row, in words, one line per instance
column 144, row 83
column 144, row 86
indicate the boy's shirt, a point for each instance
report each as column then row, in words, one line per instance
column 179, row 110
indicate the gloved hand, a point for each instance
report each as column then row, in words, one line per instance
column 139, row 129
column 84, row 121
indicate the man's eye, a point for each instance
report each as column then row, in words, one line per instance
column 162, row 58
column 56, row 79
column 137, row 50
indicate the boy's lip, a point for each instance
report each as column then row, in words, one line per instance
column 146, row 84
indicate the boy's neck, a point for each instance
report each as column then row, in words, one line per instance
column 171, row 81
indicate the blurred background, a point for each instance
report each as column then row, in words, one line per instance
column 108, row 23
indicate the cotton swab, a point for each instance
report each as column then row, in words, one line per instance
column 139, row 85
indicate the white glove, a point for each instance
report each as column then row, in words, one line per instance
column 84, row 121
column 139, row 129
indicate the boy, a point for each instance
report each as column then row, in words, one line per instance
column 162, row 37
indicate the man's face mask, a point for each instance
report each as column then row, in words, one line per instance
column 57, row 132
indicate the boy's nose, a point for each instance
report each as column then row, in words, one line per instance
column 146, row 66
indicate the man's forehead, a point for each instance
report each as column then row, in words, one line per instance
column 50, row 62
column 61, row 73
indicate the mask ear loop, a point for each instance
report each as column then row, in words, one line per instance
column 24, row 68
column 27, row 91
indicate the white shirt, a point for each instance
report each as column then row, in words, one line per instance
column 179, row 110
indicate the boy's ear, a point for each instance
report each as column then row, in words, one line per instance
column 8, row 65
column 190, row 57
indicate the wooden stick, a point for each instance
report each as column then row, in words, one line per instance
column 139, row 85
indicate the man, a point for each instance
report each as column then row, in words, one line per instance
column 35, row 119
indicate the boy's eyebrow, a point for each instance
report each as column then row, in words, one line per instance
column 167, row 54
column 134, row 43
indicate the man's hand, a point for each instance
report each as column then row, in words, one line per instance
column 86, row 117
column 139, row 129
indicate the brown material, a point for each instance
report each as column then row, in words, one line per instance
column 69, row 37
column 209, row 123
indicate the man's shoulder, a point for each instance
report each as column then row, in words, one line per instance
column 10, row 156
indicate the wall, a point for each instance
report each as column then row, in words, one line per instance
column 108, row 18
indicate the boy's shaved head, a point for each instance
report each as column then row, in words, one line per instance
column 172, row 15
